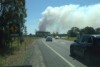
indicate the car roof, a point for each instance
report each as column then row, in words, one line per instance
column 93, row 35
column 96, row 36
column 48, row 36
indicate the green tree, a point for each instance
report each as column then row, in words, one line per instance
column 25, row 30
column 87, row 30
column 13, row 11
column 73, row 32
column 54, row 34
column 97, row 30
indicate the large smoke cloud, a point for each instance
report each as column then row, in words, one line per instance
column 61, row 19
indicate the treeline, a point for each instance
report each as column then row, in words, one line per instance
column 13, row 11
column 75, row 31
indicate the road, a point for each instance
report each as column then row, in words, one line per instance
column 49, row 54
column 57, row 54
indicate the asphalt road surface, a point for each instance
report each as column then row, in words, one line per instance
column 57, row 54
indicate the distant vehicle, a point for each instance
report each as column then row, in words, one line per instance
column 57, row 37
column 87, row 47
column 49, row 38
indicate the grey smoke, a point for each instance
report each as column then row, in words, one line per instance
column 61, row 19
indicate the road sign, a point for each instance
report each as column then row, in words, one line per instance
column 14, row 29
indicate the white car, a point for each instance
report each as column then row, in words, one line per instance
column 57, row 37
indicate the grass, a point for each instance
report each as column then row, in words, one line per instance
column 70, row 38
column 18, row 52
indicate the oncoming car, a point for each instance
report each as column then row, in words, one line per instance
column 87, row 47
column 57, row 37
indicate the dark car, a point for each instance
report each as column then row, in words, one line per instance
column 87, row 47
column 49, row 38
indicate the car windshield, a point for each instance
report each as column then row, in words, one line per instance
column 49, row 37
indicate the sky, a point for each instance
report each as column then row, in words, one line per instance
column 39, row 11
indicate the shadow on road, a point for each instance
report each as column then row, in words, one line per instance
column 93, row 64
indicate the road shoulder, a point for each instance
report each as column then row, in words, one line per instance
column 38, row 58
column 29, row 55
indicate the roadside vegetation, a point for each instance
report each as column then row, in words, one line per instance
column 75, row 32
column 16, row 52
column 70, row 38
column 12, row 12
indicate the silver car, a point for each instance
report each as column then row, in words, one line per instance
column 49, row 38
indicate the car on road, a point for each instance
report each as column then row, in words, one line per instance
column 87, row 47
column 49, row 38
column 57, row 37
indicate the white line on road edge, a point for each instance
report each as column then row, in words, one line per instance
column 59, row 55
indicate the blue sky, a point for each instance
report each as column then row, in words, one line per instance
column 36, row 7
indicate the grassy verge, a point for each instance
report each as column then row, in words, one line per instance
column 70, row 38
column 18, row 53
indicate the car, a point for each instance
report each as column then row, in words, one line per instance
column 87, row 47
column 49, row 38
column 57, row 37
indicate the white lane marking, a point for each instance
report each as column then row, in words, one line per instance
column 59, row 55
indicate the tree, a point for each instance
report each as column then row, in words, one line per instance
column 30, row 34
column 73, row 32
column 25, row 31
column 97, row 30
column 87, row 30
column 54, row 34
column 13, row 11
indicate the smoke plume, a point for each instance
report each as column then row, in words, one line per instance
column 61, row 19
